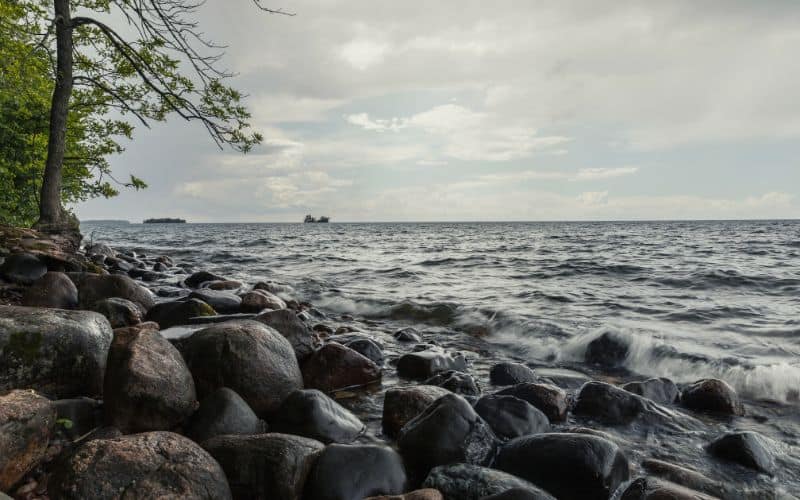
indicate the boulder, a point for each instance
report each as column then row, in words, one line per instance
column 223, row 412
column 402, row 404
column 51, row 290
column 148, row 386
column 147, row 465
column 473, row 482
column 200, row 277
column 568, row 466
column 27, row 421
column 648, row 488
column 304, row 341
column 119, row 312
column 685, row 477
column 562, row 377
column 448, row 431
column 423, row 494
column 312, row 414
column 257, row 300
column 661, row 390
column 179, row 312
column 609, row 404
column 335, row 367
column 247, row 356
column 456, row 382
column 94, row 287
column 265, row 466
column 408, row 335
column 59, row 353
column 516, row 494
column 223, row 285
column 511, row 417
column 549, row 399
column 609, row 350
column 747, row 448
column 272, row 287
column 221, row 301
column 511, row 374
column 22, row 268
column 363, row 345
column 100, row 249
column 425, row 364
column 712, row 396
column 347, row 472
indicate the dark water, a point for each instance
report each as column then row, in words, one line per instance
column 697, row 299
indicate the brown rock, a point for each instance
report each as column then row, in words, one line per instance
column 402, row 404
column 26, row 424
column 712, row 396
column 52, row 290
column 549, row 399
column 336, row 367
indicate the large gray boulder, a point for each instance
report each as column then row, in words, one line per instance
column 223, row 412
column 59, row 353
column 473, row 482
column 247, row 356
column 178, row 312
column 347, row 472
column 312, row 414
column 147, row 465
column 222, row 301
column 304, row 341
column 27, row 421
column 148, row 386
column 94, row 287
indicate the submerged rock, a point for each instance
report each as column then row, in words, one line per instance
column 609, row 350
column 448, row 431
column 473, row 482
column 347, row 472
column 712, row 396
column 221, row 301
column 511, row 374
column 200, row 277
column 425, row 364
column 148, row 386
column 59, row 353
column 609, row 404
column 27, row 421
column 569, row 466
column 223, row 412
column 249, row 357
column 746, row 448
column 402, row 404
column 268, row 466
column 335, row 367
column 22, row 268
column 549, row 399
column 147, row 465
column 304, row 341
column 312, row 414
column 456, row 382
column 169, row 314
column 119, row 312
column 94, row 287
column 408, row 335
column 661, row 390
column 51, row 290
column 511, row 417
column 648, row 488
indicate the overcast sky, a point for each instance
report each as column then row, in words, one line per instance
column 509, row 110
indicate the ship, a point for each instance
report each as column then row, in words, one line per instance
column 311, row 220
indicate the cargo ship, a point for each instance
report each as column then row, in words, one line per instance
column 311, row 220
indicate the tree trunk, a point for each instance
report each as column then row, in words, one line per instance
column 51, row 217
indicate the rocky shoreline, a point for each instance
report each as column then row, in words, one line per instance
column 135, row 376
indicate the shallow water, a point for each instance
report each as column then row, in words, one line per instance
column 697, row 299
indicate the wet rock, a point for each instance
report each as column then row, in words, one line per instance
column 456, row 382
column 27, row 421
column 148, row 386
column 51, row 290
column 22, row 268
column 685, row 477
column 402, row 404
column 408, row 335
column 568, row 466
column 472, row 482
column 609, row 404
column 310, row 413
column 94, row 287
column 380, row 472
column 200, row 277
column 166, row 260
column 119, row 312
column 424, row 494
column 549, row 399
column 171, row 292
column 221, row 301
column 83, row 415
column 609, row 350
column 169, row 314
column 516, row 494
column 265, row 466
column 746, row 448
column 363, row 345
column 100, row 249
column 247, row 356
column 160, row 267
column 223, row 412
column 335, row 367
column 562, row 377
column 303, row 340
column 511, row 417
column 271, row 287
column 257, row 300
column 712, row 396
column 661, row 390
column 648, row 488
column 223, row 285
column 511, row 374
column 147, row 465
column 59, row 353
column 446, row 432
column 425, row 364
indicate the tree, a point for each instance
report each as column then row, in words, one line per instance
column 156, row 62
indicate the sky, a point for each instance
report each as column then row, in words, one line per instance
column 379, row 110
